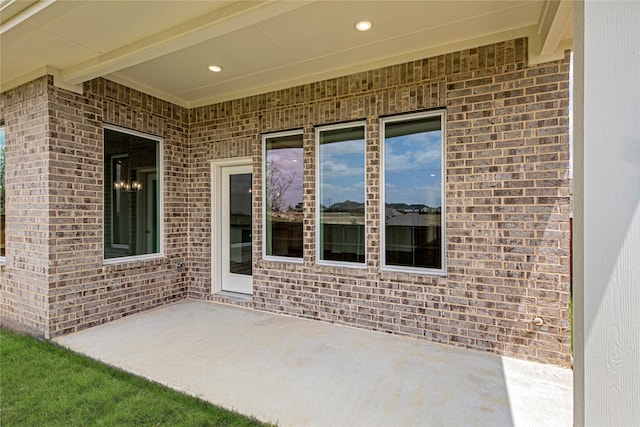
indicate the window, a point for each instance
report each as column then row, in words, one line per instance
column 2, row 195
column 132, row 189
column 341, row 178
column 283, row 195
column 412, row 199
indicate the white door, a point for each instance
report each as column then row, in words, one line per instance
column 236, row 241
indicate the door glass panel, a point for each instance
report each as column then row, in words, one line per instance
column 240, row 261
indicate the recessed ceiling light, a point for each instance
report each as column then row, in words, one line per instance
column 215, row 68
column 363, row 25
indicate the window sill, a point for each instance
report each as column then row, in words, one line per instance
column 355, row 265
column 268, row 258
column 127, row 259
column 413, row 270
column 133, row 261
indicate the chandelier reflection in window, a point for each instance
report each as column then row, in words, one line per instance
column 127, row 187
column 121, row 185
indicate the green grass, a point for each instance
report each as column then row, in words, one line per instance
column 571, row 317
column 42, row 384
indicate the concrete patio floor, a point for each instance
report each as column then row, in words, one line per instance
column 297, row 372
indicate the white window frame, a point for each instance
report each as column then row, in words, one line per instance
column 443, row 146
column 266, row 257
column 319, row 129
column 160, row 174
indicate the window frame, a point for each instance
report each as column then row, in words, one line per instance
column 442, row 271
column 160, row 177
column 294, row 260
column 318, row 234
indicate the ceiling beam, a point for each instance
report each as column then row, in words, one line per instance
column 214, row 24
column 13, row 13
column 555, row 17
column 545, row 41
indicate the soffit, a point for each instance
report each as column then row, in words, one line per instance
column 164, row 47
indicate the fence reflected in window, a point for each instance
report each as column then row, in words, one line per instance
column 413, row 196
column 341, row 172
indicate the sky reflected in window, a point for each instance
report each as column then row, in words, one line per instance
column 413, row 169
column 342, row 171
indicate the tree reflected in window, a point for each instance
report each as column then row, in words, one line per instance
column 283, row 195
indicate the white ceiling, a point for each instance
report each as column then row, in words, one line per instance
column 164, row 47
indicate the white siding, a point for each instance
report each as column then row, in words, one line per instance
column 607, row 220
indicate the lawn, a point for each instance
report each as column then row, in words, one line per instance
column 42, row 384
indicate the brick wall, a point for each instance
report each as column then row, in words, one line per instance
column 55, row 279
column 24, row 279
column 507, row 201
